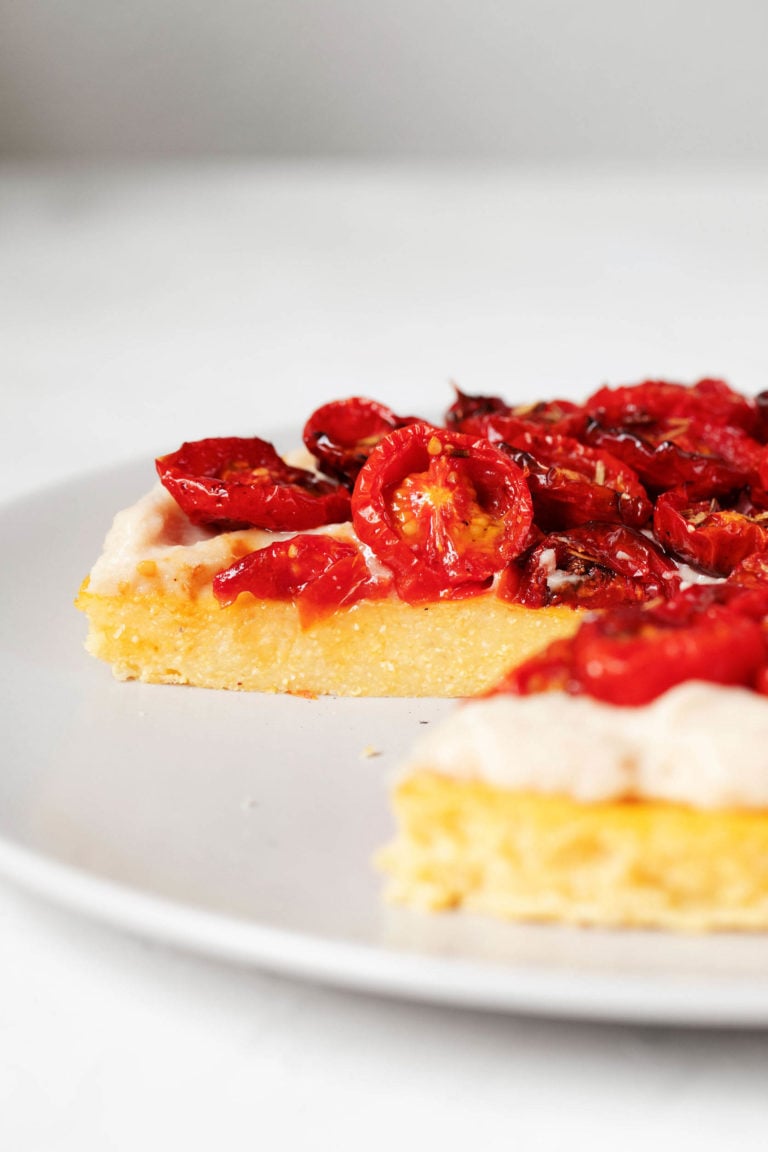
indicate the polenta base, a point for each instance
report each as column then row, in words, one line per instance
column 373, row 648
column 526, row 856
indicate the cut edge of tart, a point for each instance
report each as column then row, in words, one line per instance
column 645, row 808
column 153, row 616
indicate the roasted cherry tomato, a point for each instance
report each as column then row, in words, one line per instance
column 572, row 484
column 632, row 654
column 595, row 566
column 465, row 406
column 560, row 417
column 341, row 435
column 231, row 482
column 708, row 535
column 319, row 573
column 680, row 451
column 443, row 511
column 712, row 401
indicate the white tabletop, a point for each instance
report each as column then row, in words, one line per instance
column 139, row 308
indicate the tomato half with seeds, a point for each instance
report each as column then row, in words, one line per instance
column 233, row 482
column 595, row 566
column 319, row 573
column 443, row 511
column 341, row 435
column 632, row 654
column 708, row 534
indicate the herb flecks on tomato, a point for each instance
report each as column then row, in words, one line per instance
column 572, row 484
column 319, row 573
column 595, row 566
column 232, row 482
column 652, row 401
column 341, row 435
column 708, row 534
column 445, row 512
column 632, row 654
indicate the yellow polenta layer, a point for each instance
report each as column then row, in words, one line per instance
column 520, row 855
column 374, row 648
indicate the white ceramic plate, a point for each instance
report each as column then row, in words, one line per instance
column 243, row 826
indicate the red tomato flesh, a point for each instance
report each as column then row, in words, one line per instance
column 232, row 482
column 443, row 511
column 318, row 572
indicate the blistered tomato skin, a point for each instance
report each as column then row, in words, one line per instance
column 572, row 484
column 232, row 482
column 558, row 417
column 465, row 407
column 634, row 663
column 445, row 512
column 319, row 573
column 706, row 535
column 632, row 654
column 668, row 455
column 595, row 566
column 652, row 401
column 341, row 435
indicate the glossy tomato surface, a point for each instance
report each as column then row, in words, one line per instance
column 443, row 511
column 595, row 566
column 341, row 435
column 232, row 482
column 630, row 655
column 320, row 573
column 708, row 535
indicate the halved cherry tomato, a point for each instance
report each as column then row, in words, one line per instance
column 595, row 566
column 232, row 482
column 712, row 537
column 675, row 451
column 341, row 435
column 560, row 417
column 319, row 573
column 443, row 511
column 572, row 484
column 652, row 401
column 631, row 654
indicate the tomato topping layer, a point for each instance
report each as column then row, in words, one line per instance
column 319, row 573
column 550, row 497
column 674, row 451
column 710, row 401
column 572, row 484
column 708, row 535
column 231, row 482
column 632, row 654
column 596, row 566
column 489, row 416
column 341, row 435
column 443, row 511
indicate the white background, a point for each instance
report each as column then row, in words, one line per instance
column 663, row 82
